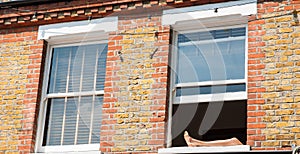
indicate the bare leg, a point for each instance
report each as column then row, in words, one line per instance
column 191, row 142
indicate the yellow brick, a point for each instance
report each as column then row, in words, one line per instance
column 272, row 71
column 270, row 26
column 285, row 70
column 294, row 46
column 271, row 119
column 118, row 149
column 284, row 88
column 286, row 76
column 295, row 35
column 270, row 137
column 297, row 99
column 131, row 143
column 270, row 143
column 285, row 137
column 295, row 130
column 119, row 137
column 295, row 81
column 288, row 53
column 120, row 121
column 283, row 59
column 270, row 106
column 132, row 131
column 270, row 95
column 149, row 39
column 122, row 115
column 284, row 18
column 127, row 41
column 270, row 37
column 271, row 83
column 270, row 131
column 9, row 97
column 270, row 20
column 139, row 30
column 133, row 120
column 284, row 112
column 142, row 148
column 270, row 54
column 285, row 30
column 144, row 136
column 133, row 109
column 284, row 124
column 295, row 58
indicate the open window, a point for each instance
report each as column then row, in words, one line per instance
column 209, row 93
column 208, row 86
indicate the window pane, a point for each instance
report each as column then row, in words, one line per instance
column 79, row 66
column 97, row 119
column 56, row 121
column 84, row 120
column 75, row 70
column 101, row 66
column 211, row 56
column 59, row 70
column 70, row 121
column 210, row 89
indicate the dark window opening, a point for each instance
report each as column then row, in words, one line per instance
column 231, row 122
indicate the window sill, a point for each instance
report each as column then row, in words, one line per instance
column 72, row 149
column 225, row 149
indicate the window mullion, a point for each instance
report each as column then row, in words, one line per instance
column 79, row 98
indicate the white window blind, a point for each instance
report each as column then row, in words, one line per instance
column 75, row 95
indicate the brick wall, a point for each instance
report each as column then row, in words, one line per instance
column 20, row 63
column 274, row 76
column 134, row 109
column 135, row 100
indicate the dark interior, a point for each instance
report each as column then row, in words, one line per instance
column 229, row 122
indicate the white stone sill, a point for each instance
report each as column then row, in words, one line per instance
column 223, row 149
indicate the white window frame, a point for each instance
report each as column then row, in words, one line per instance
column 46, row 97
column 206, row 17
column 62, row 35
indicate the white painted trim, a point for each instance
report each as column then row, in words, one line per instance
column 211, row 83
column 172, row 91
column 229, row 96
column 72, row 94
column 80, row 29
column 223, row 149
column 246, row 59
column 240, row 8
column 71, row 148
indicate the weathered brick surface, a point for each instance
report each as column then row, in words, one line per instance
column 20, row 62
column 273, row 88
column 136, row 82
column 135, row 99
